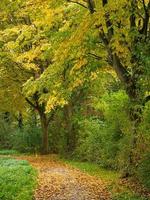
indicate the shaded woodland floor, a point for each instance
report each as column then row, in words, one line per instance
column 58, row 181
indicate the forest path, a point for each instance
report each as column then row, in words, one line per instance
column 58, row 181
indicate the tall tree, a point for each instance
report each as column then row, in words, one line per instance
column 31, row 32
column 122, row 32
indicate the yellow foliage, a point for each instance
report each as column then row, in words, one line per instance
column 55, row 100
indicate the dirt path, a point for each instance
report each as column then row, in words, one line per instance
column 58, row 181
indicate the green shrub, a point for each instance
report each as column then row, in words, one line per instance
column 8, row 152
column 127, row 196
column 98, row 143
column 17, row 180
column 144, row 171
column 5, row 133
column 27, row 139
column 107, row 142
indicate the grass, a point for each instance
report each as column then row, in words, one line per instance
column 94, row 170
column 8, row 152
column 119, row 192
column 17, row 179
column 127, row 196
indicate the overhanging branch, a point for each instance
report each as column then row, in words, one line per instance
column 95, row 56
column 75, row 2
column 144, row 29
column 30, row 103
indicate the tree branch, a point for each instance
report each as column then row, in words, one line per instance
column 103, row 35
column 95, row 56
column 71, row 1
column 91, row 6
column 122, row 73
column 30, row 103
column 105, row 2
column 144, row 29
column 108, row 21
column 132, row 17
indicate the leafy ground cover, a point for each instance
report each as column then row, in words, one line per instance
column 17, row 179
column 59, row 181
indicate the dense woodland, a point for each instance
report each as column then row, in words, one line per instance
column 75, row 81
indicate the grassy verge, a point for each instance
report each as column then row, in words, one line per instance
column 118, row 191
column 9, row 152
column 17, row 179
column 94, row 170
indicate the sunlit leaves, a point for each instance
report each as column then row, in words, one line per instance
column 58, row 43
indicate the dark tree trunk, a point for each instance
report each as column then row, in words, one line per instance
column 70, row 133
column 44, row 121
column 20, row 121
column 45, row 141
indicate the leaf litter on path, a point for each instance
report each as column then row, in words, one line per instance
column 58, row 181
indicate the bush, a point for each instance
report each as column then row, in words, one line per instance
column 143, row 171
column 90, row 141
column 107, row 142
column 127, row 196
column 8, row 152
column 27, row 139
column 17, row 180
column 98, row 143
column 5, row 133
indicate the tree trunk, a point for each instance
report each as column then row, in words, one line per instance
column 44, row 125
column 20, row 121
column 70, row 134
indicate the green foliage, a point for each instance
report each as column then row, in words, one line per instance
column 57, row 139
column 8, row 152
column 143, row 172
column 17, row 180
column 98, row 144
column 94, row 170
column 127, row 196
column 106, row 141
column 5, row 132
column 145, row 123
column 27, row 139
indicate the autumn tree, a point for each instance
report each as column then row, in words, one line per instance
column 122, row 39
column 31, row 32
column 122, row 31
